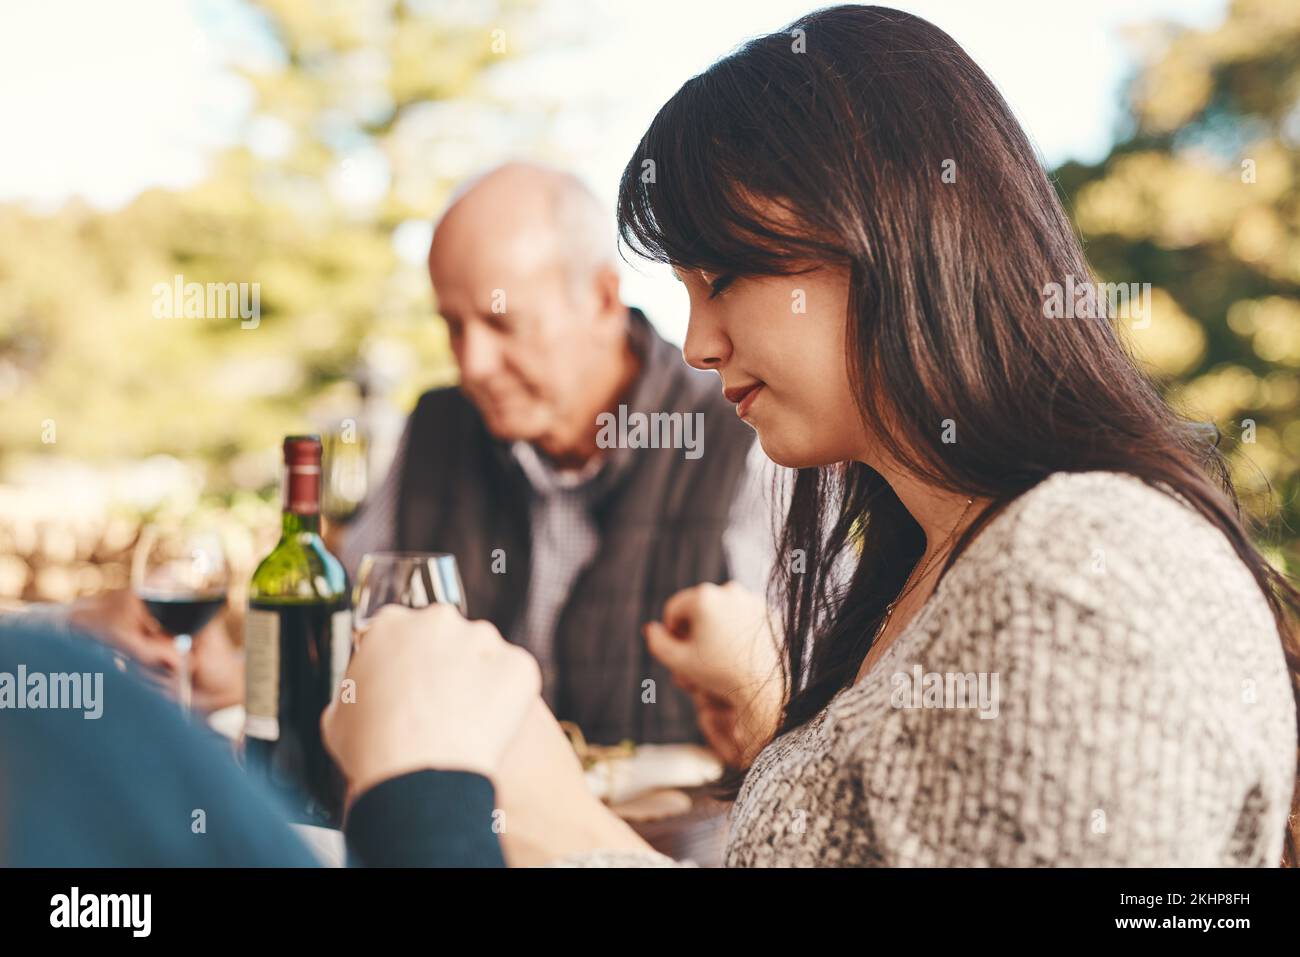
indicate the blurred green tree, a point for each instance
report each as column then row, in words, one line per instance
column 352, row 106
column 1201, row 198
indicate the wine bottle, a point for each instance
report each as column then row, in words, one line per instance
column 297, row 641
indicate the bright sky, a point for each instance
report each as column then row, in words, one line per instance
column 105, row 99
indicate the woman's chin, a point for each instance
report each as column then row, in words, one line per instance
column 790, row 453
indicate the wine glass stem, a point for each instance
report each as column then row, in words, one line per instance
column 185, row 687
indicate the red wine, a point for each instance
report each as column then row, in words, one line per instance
column 297, row 641
column 183, row 615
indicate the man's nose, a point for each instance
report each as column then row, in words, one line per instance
column 479, row 355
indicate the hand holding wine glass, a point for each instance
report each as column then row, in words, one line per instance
column 434, row 691
column 120, row 620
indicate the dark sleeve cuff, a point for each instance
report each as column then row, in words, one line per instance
column 425, row 819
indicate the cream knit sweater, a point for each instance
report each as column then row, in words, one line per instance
column 1098, row 681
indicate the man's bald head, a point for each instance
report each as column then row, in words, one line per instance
column 549, row 208
column 524, row 268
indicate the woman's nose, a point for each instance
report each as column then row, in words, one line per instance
column 707, row 346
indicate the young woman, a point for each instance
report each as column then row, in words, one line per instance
column 1059, row 646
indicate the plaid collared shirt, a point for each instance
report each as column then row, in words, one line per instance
column 565, row 538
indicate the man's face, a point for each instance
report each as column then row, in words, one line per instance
column 522, row 335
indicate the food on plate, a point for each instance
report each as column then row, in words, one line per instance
column 619, row 773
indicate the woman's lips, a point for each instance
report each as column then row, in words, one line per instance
column 744, row 398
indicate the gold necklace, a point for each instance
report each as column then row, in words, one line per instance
column 907, row 585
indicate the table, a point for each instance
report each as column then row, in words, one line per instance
column 699, row 835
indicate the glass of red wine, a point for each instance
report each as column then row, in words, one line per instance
column 180, row 573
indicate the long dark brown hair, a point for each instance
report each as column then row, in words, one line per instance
column 866, row 138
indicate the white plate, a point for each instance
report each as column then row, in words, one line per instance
column 651, row 767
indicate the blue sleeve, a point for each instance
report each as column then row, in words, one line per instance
column 116, row 776
column 425, row 819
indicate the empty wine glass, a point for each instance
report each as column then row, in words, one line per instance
column 180, row 573
column 410, row 579
column 345, row 464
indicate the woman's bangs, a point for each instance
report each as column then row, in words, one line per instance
column 683, row 200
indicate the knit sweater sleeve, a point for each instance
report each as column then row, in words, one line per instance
column 619, row 859
column 1131, row 716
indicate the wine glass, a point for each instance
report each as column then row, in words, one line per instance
column 180, row 573
column 410, row 579
column 345, row 464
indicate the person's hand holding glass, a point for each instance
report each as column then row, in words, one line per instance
column 407, row 579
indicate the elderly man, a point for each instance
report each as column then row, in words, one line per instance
column 546, row 473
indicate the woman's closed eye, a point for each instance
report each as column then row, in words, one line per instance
column 719, row 284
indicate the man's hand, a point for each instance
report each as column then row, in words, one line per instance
column 216, row 668
column 120, row 619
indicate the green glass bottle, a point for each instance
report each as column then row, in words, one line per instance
column 297, row 641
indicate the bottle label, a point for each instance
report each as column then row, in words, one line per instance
column 340, row 647
column 262, row 669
